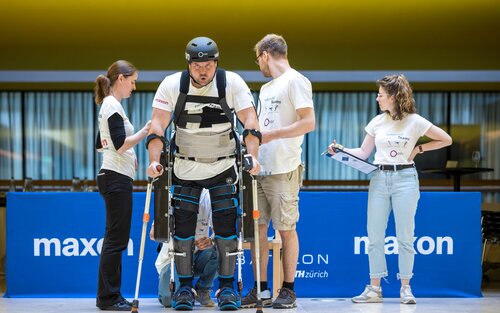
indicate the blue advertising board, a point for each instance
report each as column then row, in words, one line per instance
column 54, row 240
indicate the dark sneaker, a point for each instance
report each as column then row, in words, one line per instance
column 285, row 300
column 123, row 300
column 203, row 297
column 119, row 306
column 228, row 299
column 250, row 300
column 183, row 299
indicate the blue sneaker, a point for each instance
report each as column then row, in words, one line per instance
column 228, row 299
column 183, row 299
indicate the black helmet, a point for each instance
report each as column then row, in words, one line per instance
column 201, row 49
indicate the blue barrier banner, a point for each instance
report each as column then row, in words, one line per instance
column 54, row 241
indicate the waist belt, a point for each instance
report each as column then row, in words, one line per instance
column 205, row 160
column 394, row 167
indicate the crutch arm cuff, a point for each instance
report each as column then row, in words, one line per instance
column 254, row 132
column 155, row 136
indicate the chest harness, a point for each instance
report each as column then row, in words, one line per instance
column 205, row 146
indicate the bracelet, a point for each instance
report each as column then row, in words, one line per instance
column 420, row 149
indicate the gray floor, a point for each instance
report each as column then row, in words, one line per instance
column 489, row 303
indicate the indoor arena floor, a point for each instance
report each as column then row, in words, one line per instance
column 488, row 304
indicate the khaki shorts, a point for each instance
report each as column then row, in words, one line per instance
column 279, row 199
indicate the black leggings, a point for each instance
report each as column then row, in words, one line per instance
column 116, row 189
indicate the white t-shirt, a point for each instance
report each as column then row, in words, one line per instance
column 121, row 163
column 395, row 140
column 279, row 100
column 202, row 229
column 238, row 96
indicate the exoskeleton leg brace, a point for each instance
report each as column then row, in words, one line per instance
column 227, row 249
column 224, row 215
column 185, row 201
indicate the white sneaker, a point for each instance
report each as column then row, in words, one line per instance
column 371, row 294
column 406, row 295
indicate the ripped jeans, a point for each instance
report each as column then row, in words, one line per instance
column 397, row 191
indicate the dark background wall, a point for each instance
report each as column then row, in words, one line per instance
column 392, row 35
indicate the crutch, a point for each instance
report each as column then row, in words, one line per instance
column 145, row 220
column 255, row 215
column 239, row 253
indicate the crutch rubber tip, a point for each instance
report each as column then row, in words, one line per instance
column 259, row 306
column 135, row 306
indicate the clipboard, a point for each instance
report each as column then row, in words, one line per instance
column 352, row 161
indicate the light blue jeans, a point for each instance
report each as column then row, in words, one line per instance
column 205, row 266
column 397, row 191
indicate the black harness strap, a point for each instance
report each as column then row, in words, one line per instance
column 185, row 198
column 185, row 205
column 181, row 100
column 184, row 97
column 187, row 192
column 202, row 99
column 224, row 204
column 208, row 117
column 221, row 88
column 222, row 190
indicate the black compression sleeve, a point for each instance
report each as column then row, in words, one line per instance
column 117, row 130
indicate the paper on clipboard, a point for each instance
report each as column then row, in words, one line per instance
column 352, row 161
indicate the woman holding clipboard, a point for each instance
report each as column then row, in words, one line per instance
column 394, row 186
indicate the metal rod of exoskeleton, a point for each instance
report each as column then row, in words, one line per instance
column 256, row 215
column 171, row 251
column 239, row 255
column 145, row 220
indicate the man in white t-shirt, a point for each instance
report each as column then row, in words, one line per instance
column 286, row 114
column 202, row 102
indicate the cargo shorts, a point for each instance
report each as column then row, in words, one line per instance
column 278, row 198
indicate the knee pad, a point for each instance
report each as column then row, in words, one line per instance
column 185, row 198
column 227, row 263
column 184, row 264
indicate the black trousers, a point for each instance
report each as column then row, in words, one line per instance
column 116, row 189
column 224, row 223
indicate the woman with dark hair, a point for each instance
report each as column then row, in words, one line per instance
column 116, row 140
column 395, row 185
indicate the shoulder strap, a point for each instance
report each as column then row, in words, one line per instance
column 221, row 89
column 221, row 82
column 181, row 100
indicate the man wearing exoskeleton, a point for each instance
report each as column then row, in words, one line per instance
column 201, row 102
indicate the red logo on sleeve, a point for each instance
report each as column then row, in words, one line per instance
column 161, row 101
